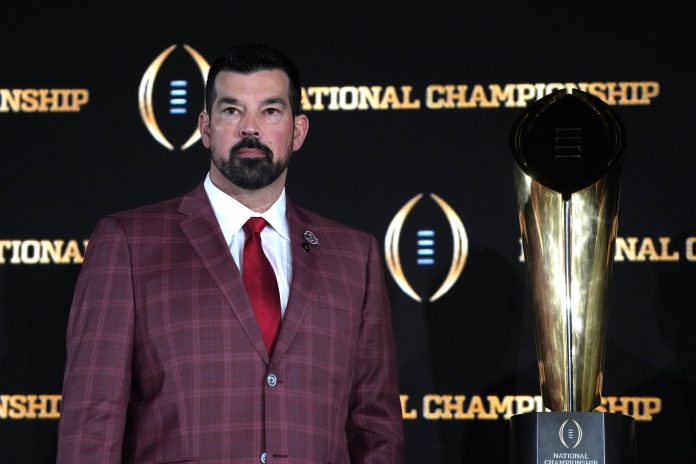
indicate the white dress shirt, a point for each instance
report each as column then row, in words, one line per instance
column 232, row 215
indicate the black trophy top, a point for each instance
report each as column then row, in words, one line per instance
column 568, row 141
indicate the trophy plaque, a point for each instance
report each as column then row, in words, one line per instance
column 568, row 150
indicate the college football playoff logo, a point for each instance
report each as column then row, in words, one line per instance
column 427, row 242
column 181, row 87
column 570, row 433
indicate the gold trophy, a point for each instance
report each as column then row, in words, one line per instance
column 568, row 149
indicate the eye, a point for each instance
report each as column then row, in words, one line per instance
column 230, row 110
column 272, row 111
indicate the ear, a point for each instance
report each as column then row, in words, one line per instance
column 301, row 128
column 204, row 128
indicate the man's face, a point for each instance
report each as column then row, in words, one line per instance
column 250, row 131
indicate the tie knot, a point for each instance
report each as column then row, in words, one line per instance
column 254, row 225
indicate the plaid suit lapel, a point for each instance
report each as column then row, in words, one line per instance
column 304, row 267
column 203, row 232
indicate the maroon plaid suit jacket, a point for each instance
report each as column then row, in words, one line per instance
column 166, row 362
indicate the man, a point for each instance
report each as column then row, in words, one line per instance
column 198, row 336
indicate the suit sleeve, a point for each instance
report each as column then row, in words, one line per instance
column 96, row 385
column 375, row 428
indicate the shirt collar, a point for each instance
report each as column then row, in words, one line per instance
column 232, row 215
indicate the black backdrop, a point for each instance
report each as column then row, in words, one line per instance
column 472, row 347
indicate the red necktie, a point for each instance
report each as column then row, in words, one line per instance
column 260, row 282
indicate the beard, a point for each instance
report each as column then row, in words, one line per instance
column 252, row 173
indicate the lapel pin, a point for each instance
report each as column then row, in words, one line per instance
column 309, row 239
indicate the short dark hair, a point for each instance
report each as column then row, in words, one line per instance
column 250, row 58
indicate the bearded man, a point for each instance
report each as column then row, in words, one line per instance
column 230, row 325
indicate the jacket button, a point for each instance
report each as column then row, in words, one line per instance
column 263, row 458
column 271, row 380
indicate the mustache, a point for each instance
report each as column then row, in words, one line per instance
column 251, row 142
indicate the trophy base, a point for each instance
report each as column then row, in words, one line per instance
column 572, row 438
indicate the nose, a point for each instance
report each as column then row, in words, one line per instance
column 248, row 126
